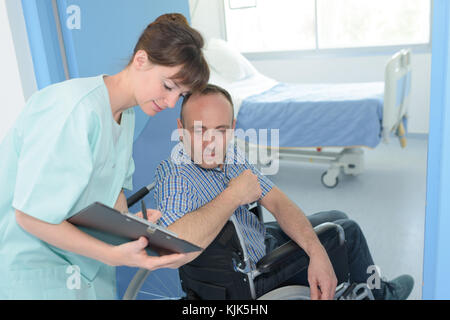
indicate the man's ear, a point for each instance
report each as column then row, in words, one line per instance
column 233, row 126
column 180, row 129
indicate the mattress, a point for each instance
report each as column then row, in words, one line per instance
column 311, row 115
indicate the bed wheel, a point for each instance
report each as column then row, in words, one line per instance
column 267, row 164
column 328, row 180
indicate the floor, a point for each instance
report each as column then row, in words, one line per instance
column 387, row 200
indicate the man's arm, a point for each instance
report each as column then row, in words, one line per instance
column 203, row 225
column 199, row 227
column 295, row 224
column 291, row 219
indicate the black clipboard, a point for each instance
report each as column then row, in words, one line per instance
column 114, row 227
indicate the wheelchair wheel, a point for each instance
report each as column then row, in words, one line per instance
column 287, row 293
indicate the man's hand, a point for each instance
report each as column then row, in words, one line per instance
column 294, row 223
column 246, row 187
column 152, row 215
column 321, row 277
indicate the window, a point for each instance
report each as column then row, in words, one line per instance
column 291, row 25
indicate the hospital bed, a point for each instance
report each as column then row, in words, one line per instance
column 321, row 123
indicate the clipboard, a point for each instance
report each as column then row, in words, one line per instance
column 114, row 227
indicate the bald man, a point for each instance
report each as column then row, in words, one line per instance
column 207, row 180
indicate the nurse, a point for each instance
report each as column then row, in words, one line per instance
column 72, row 146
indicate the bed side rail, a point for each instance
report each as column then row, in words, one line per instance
column 397, row 94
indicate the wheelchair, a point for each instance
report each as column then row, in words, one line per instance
column 223, row 271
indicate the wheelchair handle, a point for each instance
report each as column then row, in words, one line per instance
column 140, row 194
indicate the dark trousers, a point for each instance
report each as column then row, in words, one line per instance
column 359, row 258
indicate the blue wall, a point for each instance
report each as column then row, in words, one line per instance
column 436, row 277
column 43, row 40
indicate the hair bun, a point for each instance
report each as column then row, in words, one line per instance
column 173, row 18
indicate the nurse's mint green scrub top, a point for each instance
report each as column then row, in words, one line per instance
column 64, row 152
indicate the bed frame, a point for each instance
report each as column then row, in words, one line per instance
column 350, row 160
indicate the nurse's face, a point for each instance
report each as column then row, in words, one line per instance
column 154, row 86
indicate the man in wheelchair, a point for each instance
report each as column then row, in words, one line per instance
column 207, row 185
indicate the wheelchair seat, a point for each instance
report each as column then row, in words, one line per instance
column 223, row 270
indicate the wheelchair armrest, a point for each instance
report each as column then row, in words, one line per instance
column 277, row 257
column 290, row 249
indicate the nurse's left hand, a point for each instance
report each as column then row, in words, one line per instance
column 133, row 254
column 152, row 215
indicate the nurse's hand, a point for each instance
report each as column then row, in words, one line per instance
column 68, row 237
column 133, row 254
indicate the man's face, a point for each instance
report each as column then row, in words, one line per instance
column 208, row 128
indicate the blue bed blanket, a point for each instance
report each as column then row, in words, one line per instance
column 317, row 115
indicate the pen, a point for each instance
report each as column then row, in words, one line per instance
column 144, row 210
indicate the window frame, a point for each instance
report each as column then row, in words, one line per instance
column 334, row 52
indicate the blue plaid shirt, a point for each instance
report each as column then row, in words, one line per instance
column 182, row 187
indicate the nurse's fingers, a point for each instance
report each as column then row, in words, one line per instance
column 138, row 245
column 172, row 261
column 135, row 255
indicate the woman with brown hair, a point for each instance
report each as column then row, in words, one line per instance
column 72, row 146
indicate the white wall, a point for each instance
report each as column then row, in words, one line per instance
column 17, row 81
column 208, row 19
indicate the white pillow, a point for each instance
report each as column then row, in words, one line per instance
column 227, row 61
column 215, row 78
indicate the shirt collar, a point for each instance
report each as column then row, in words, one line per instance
column 233, row 156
